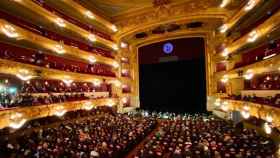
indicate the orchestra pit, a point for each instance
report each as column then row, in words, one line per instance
column 139, row 79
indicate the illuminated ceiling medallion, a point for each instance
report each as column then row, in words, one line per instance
column 9, row 31
column 60, row 22
column 89, row 14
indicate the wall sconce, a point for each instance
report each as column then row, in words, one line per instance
column 249, row 75
column 124, row 45
column 116, row 64
column 124, row 100
column 110, row 103
column 269, row 118
column 92, row 59
column 114, row 28
column 117, row 83
column 223, row 28
column 59, row 49
column 67, row 80
column 245, row 112
column 88, row 106
column 253, row 36
column 218, row 102
column 17, row 121
column 225, row 52
column 115, row 47
column 267, row 128
column 24, row 75
column 224, row 107
column 250, row 5
column 92, row 37
column 224, row 3
column 60, row 22
column 89, row 14
column 225, row 79
column 60, row 112
column 96, row 82
column 9, row 31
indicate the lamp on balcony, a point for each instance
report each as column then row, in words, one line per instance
column 92, row 37
column 24, row 75
column 60, row 22
column 89, row 14
column 253, row 36
column 9, row 31
column 250, row 5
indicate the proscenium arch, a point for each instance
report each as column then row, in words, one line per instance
column 123, row 34
column 208, row 65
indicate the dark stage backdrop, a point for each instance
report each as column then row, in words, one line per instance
column 177, row 86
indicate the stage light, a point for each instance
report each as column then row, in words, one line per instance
column 92, row 37
column 9, row 31
column 60, row 22
column 89, row 14
column 12, row 90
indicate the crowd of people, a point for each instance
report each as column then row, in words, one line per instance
column 269, row 100
column 21, row 100
column 107, row 135
column 43, row 59
column 103, row 133
column 198, row 136
column 56, row 86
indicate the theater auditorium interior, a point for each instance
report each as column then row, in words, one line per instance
column 139, row 79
